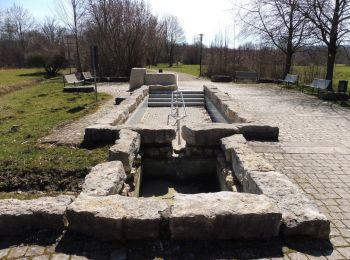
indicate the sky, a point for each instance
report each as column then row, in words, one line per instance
column 196, row 16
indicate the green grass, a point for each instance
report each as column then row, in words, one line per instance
column 188, row 69
column 36, row 110
column 341, row 72
column 14, row 79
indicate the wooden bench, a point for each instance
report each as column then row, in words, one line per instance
column 252, row 75
column 291, row 79
column 71, row 79
column 88, row 77
column 319, row 84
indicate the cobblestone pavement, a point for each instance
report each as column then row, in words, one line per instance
column 72, row 134
column 314, row 151
column 159, row 116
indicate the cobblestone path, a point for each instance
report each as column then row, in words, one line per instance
column 314, row 150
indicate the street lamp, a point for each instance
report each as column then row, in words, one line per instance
column 200, row 54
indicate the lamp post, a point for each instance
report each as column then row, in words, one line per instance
column 200, row 54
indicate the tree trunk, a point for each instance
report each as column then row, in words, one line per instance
column 332, row 51
column 288, row 65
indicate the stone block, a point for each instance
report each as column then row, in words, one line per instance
column 126, row 148
column 164, row 79
column 224, row 215
column 300, row 216
column 254, row 132
column 137, row 78
column 101, row 134
column 162, row 88
column 207, row 134
column 105, row 179
column 116, row 217
column 153, row 134
column 19, row 217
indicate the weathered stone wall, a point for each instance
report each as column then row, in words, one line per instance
column 163, row 79
column 300, row 216
column 126, row 107
column 227, row 106
column 137, row 78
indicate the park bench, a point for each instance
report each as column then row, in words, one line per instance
column 319, row 84
column 252, row 75
column 71, row 79
column 291, row 79
column 88, row 77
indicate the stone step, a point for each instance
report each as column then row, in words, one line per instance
column 183, row 92
column 169, row 95
column 168, row 104
column 186, row 100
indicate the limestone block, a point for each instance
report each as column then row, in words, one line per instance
column 207, row 134
column 100, row 134
column 116, row 217
column 164, row 79
column 224, row 215
column 126, row 148
column 300, row 215
column 19, row 217
column 244, row 160
column 105, row 179
column 137, row 78
column 254, row 132
column 162, row 88
column 153, row 134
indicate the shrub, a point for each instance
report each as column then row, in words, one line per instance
column 52, row 63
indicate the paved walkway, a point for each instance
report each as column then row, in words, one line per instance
column 314, row 151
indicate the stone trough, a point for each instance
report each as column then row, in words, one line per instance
column 213, row 187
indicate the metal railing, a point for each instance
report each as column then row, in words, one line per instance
column 177, row 100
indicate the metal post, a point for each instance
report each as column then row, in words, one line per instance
column 200, row 54
column 93, row 56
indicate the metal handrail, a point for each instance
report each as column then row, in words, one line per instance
column 175, row 111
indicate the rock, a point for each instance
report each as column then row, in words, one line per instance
column 126, row 148
column 137, row 78
column 253, row 132
column 224, row 215
column 207, row 134
column 105, row 179
column 116, row 217
column 300, row 216
column 153, row 134
column 164, row 79
column 100, row 134
column 244, row 160
column 19, row 217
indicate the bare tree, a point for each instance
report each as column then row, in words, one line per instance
column 71, row 13
column 330, row 19
column 52, row 32
column 21, row 22
column 278, row 22
column 123, row 30
column 174, row 35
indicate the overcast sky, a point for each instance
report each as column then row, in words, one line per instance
column 196, row 16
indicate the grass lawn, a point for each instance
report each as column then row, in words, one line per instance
column 188, row 69
column 341, row 72
column 30, row 113
column 14, row 79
